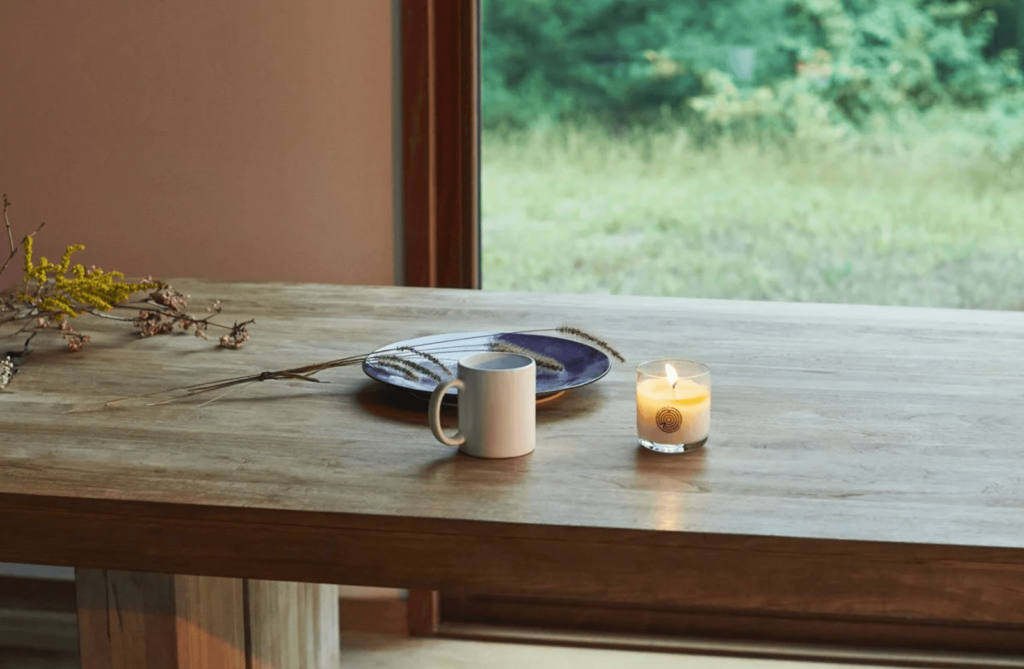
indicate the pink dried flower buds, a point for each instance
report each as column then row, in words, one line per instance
column 75, row 340
column 170, row 298
column 238, row 336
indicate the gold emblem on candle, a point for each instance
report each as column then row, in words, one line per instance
column 668, row 419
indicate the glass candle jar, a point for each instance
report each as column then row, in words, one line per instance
column 673, row 405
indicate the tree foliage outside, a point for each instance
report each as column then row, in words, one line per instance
column 855, row 64
column 865, row 151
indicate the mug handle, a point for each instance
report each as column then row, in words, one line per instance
column 434, row 414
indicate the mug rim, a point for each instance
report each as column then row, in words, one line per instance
column 468, row 361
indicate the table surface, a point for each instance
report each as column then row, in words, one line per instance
column 887, row 433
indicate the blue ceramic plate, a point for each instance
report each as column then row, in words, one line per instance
column 583, row 363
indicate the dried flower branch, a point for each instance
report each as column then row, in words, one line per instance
column 596, row 341
column 163, row 311
column 429, row 356
column 7, row 223
column 10, row 235
column 10, row 361
column 7, row 371
column 414, row 368
column 49, row 289
column 397, row 359
column 238, row 335
column 541, row 360
column 52, row 293
column 398, row 365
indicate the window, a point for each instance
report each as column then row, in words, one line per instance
column 860, row 152
column 844, row 151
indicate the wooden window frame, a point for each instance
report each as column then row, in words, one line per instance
column 440, row 141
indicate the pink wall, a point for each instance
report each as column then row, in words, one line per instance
column 228, row 139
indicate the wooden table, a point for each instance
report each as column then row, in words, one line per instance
column 865, row 463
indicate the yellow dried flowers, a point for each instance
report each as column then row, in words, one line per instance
column 52, row 294
column 75, row 294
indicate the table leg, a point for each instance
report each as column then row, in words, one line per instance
column 134, row 620
column 292, row 625
column 423, row 612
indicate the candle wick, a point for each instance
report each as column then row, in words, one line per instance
column 674, row 384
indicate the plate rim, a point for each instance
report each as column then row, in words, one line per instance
column 366, row 367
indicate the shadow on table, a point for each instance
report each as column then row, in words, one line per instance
column 482, row 472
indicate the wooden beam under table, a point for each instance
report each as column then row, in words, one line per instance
column 134, row 620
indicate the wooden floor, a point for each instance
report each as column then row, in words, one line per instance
column 375, row 635
column 363, row 650
column 373, row 650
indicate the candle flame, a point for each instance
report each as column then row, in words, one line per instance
column 673, row 377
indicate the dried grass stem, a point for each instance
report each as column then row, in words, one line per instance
column 542, row 361
column 397, row 359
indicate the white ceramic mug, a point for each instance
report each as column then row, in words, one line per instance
column 497, row 406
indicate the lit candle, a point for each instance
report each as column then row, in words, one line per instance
column 673, row 405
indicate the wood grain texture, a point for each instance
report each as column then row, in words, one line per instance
column 863, row 461
column 424, row 612
column 292, row 625
column 440, row 143
column 42, row 614
column 465, row 616
column 128, row 620
column 456, row 126
column 374, row 615
column 419, row 221
column 716, row 653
